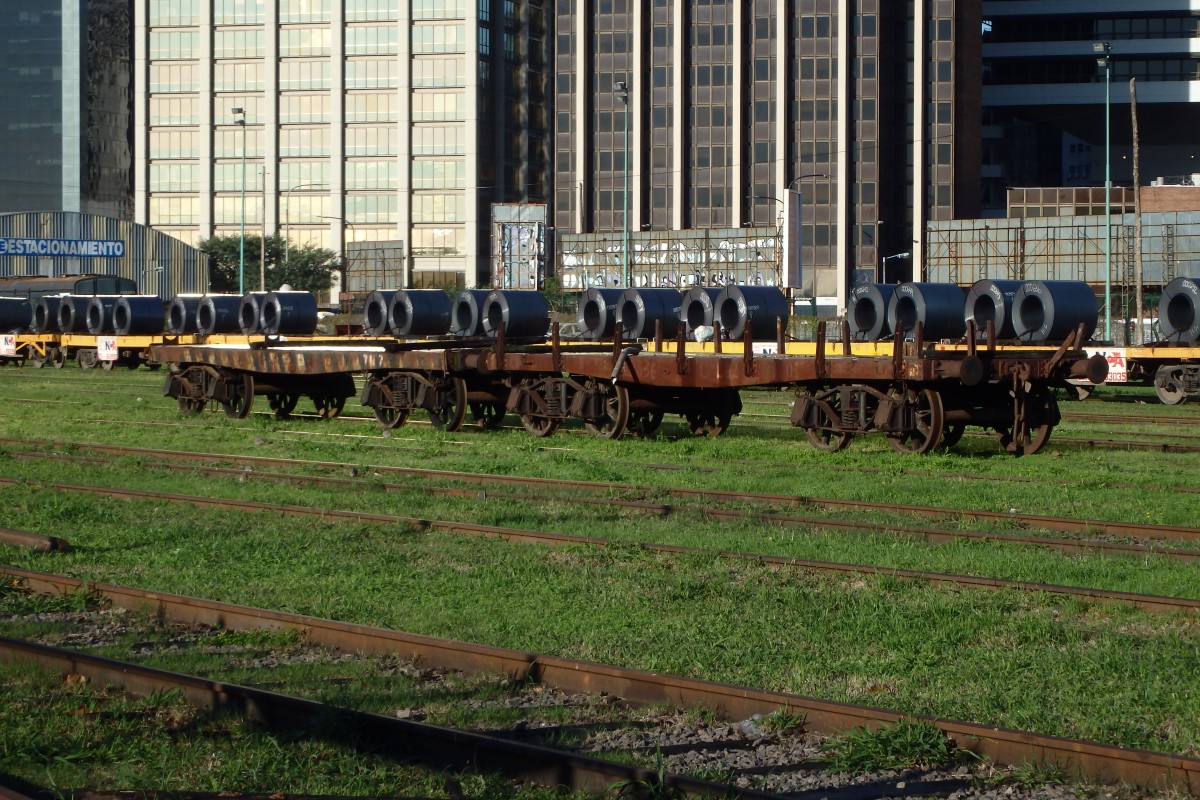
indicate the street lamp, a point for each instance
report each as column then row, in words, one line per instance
column 1104, row 52
column 793, row 211
column 883, row 265
column 344, row 251
column 287, row 214
column 242, row 233
column 622, row 89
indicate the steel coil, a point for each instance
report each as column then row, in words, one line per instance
column 698, row 307
column 249, row 313
column 287, row 314
column 992, row 301
column 640, row 309
column 181, row 314
column 868, row 312
column 72, row 313
column 100, row 313
column 137, row 315
column 45, row 314
column 938, row 307
column 419, row 312
column 375, row 312
column 598, row 313
column 15, row 314
column 466, row 317
column 759, row 307
column 1179, row 310
column 523, row 313
column 1047, row 311
column 218, row 314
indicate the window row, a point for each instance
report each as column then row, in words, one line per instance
column 168, row 13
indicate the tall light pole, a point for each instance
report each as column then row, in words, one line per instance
column 287, row 214
column 1104, row 51
column 344, row 251
column 622, row 89
column 793, row 239
column 242, row 235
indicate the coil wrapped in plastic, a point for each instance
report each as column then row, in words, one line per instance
column 100, row 313
column 72, row 313
column 45, row 314
column 375, row 312
column 15, row 314
column 868, row 311
column 218, row 313
column 523, row 313
column 287, row 314
column 419, row 312
column 466, row 313
column 759, row 307
column 181, row 314
column 938, row 307
column 640, row 309
column 598, row 313
column 1179, row 310
column 698, row 308
column 137, row 315
column 250, row 312
column 1047, row 311
column 991, row 301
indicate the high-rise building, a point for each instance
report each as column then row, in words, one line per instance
column 65, row 90
column 333, row 121
column 868, row 107
column 1047, row 68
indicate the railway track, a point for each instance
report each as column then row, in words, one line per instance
column 1099, row 761
column 200, row 463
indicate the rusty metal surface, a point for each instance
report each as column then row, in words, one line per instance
column 1005, row 746
column 33, row 541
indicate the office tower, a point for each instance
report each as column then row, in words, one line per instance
column 356, row 120
column 65, row 89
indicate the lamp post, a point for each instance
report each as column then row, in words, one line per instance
column 793, row 228
column 287, row 214
column 343, row 253
column 622, row 89
column 883, row 265
column 1104, row 53
column 242, row 234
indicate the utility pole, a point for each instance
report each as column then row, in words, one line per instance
column 262, row 244
column 242, row 227
column 623, row 92
column 1139, row 336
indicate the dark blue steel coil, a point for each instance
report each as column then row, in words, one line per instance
column 15, row 314
column 598, row 313
column 991, row 301
column 523, row 313
column 466, row 312
column 181, row 314
column 249, row 313
column 45, row 314
column 937, row 306
column 419, row 312
column 375, row 313
column 72, row 313
column 868, row 312
column 287, row 314
column 100, row 313
column 640, row 309
column 698, row 307
column 1179, row 310
column 137, row 315
column 218, row 313
column 1047, row 311
column 760, row 307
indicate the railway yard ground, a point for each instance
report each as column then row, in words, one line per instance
column 1056, row 594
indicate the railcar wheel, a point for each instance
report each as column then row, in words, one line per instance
column 58, row 358
column 107, row 366
column 644, row 424
column 241, row 397
column 541, row 427
column 450, row 405
column 1168, row 385
column 189, row 405
column 826, row 434
column 328, row 406
column 928, row 422
column 488, row 414
column 283, row 403
column 951, row 435
column 37, row 363
column 616, row 410
column 1041, row 415
column 707, row 423
column 388, row 415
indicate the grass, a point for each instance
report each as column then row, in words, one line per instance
column 904, row 745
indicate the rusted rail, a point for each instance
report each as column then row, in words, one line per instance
column 1094, row 760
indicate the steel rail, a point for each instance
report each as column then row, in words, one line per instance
column 444, row 748
column 1151, row 603
column 932, row 535
column 1005, row 746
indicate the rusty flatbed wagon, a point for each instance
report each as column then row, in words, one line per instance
column 919, row 397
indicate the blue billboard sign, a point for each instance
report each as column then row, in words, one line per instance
column 81, row 248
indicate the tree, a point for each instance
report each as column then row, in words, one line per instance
column 307, row 268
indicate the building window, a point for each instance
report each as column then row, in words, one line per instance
column 174, row 110
column 439, row 39
column 227, row 177
column 171, row 77
column 237, row 12
column 375, row 73
column 439, row 9
column 437, row 71
column 371, row 140
column 304, row 74
column 174, row 210
column 371, row 174
column 373, row 40
column 370, row 10
column 304, row 11
column 432, row 242
column 304, row 173
column 238, row 43
column 304, row 42
column 173, row 45
column 301, row 108
column 371, row 107
column 304, row 142
column 174, row 144
column 173, row 13
column 229, row 210
column 371, row 208
column 438, row 208
column 174, row 177
column 238, row 77
column 438, row 106
column 436, row 174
